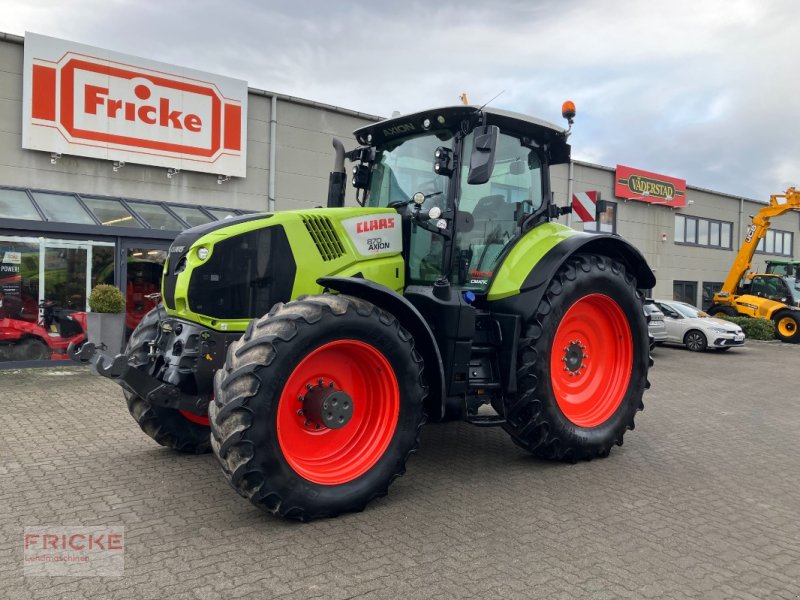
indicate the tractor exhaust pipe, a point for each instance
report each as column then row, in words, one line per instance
column 338, row 178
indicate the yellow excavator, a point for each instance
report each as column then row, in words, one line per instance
column 766, row 295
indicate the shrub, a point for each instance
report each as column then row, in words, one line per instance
column 755, row 328
column 106, row 299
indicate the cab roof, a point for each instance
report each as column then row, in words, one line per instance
column 449, row 117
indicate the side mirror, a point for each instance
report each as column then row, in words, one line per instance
column 481, row 162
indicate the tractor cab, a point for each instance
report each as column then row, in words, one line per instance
column 784, row 268
column 774, row 287
column 469, row 181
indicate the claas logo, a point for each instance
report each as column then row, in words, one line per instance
column 374, row 225
column 102, row 103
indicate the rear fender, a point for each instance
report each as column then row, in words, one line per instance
column 411, row 319
column 522, row 290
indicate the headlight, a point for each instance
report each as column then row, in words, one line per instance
column 202, row 253
column 720, row 330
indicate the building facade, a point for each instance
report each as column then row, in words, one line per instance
column 690, row 248
column 69, row 222
column 71, row 219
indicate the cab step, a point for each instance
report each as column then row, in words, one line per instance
column 485, row 420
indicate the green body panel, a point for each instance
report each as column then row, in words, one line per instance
column 524, row 255
column 387, row 269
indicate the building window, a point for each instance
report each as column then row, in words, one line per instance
column 66, row 207
column 709, row 233
column 709, row 289
column 15, row 204
column 39, row 276
column 63, row 208
column 156, row 216
column 685, row 291
column 607, row 220
column 776, row 242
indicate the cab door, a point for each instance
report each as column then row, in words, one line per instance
column 491, row 214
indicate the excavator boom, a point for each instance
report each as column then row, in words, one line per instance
column 778, row 205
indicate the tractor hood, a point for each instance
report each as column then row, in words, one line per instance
column 224, row 274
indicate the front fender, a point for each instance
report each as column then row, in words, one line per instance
column 411, row 319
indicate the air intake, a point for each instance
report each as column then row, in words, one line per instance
column 324, row 236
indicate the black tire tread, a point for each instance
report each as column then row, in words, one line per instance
column 795, row 337
column 705, row 337
column 238, row 382
column 150, row 419
column 525, row 421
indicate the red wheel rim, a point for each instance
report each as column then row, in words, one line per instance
column 336, row 456
column 195, row 418
column 591, row 360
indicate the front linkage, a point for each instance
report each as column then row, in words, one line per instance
column 173, row 368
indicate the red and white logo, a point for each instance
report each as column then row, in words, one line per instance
column 91, row 102
column 584, row 205
column 374, row 225
column 375, row 234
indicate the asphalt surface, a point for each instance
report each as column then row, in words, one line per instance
column 702, row 501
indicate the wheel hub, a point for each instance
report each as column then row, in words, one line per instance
column 325, row 406
column 575, row 358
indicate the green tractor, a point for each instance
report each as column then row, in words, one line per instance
column 307, row 348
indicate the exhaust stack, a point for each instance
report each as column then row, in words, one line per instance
column 338, row 178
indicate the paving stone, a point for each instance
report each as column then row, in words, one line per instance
column 700, row 502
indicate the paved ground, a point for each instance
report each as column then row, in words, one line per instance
column 701, row 502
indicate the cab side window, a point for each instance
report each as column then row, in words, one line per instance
column 773, row 288
column 495, row 210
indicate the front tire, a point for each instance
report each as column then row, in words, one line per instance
column 787, row 326
column 583, row 363
column 318, row 407
column 720, row 310
column 695, row 341
column 181, row 431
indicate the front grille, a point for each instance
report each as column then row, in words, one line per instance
column 321, row 231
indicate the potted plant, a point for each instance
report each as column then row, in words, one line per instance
column 106, row 321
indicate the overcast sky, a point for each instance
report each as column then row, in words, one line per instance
column 704, row 90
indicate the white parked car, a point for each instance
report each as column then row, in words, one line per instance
column 656, row 326
column 690, row 326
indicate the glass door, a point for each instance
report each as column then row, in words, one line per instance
column 141, row 278
column 70, row 269
column 64, row 271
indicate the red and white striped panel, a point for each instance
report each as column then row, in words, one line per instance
column 584, row 205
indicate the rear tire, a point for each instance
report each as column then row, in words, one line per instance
column 591, row 325
column 695, row 341
column 30, row 349
column 271, row 447
column 787, row 326
column 167, row 426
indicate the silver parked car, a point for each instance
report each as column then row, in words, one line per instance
column 656, row 326
column 690, row 326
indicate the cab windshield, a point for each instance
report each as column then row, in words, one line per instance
column 406, row 167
